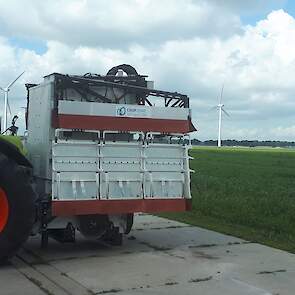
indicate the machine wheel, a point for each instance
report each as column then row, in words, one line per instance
column 113, row 237
column 129, row 223
column 17, row 207
column 93, row 226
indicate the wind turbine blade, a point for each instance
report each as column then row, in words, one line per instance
column 2, row 88
column 15, row 80
column 221, row 94
column 225, row 112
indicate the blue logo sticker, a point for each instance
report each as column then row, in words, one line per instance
column 121, row 111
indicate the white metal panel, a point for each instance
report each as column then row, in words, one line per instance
column 121, row 164
column 119, row 170
column 164, row 185
column 75, row 170
column 109, row 109
column 75, row 186
column 40, row 133
column 120, row 185
column 75, row 156
column 165, row 174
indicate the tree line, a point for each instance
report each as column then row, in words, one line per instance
column 246, row 143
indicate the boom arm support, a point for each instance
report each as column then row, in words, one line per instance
column 172, row 99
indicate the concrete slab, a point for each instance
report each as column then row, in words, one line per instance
column 144, row 221
column 212, row 287
column 262, row 266
column 161, row 257
column 13, row 282
column 180, row 237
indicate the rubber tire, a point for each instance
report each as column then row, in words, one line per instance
column 15, row 182
column 128, row 69
column 96, row 232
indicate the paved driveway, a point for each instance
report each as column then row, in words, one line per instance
column 158, row 257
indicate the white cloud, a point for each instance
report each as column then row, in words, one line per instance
column 256, row 63
column 114, row 23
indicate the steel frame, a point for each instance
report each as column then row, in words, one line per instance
column 129, row 84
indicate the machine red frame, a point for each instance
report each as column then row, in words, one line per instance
column 122, row 124
column 70, row 208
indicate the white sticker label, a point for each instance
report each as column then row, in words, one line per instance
column 132, row 111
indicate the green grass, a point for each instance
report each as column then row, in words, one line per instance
column 244, row 192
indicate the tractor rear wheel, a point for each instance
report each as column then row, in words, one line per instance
column 17, row 207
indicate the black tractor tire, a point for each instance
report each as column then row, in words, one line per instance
column 16, row 188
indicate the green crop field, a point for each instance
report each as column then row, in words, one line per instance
column 245, row 192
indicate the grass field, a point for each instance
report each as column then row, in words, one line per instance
column 245, row 192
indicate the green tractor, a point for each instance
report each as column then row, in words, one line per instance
column 17, row 197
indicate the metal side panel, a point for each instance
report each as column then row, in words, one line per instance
column 84, row 170
column 40, row 134
column 165, row 175
column 122, row 175
column 75, row 170
column 121, row 110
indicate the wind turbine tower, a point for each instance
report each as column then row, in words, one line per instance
column 221, row 110
column 6, row 102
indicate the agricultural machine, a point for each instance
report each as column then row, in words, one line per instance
column 96, row 150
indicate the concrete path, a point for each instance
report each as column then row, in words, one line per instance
column 158, row 257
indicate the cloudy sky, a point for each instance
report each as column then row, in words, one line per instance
column 189, row 46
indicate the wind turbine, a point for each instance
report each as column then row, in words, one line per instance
column 6, row 101
column 220, row 108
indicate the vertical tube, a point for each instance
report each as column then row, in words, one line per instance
column 219, row 127
column 5, row 109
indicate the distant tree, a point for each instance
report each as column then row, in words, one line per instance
column 245, row 143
